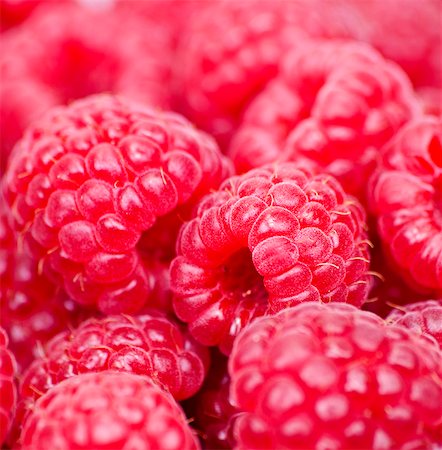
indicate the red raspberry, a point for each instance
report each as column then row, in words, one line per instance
column 107, row 410
column 87, row 183
column 273, row 237
column 8, row 397
column 149, row 344
column 422, row 317
column 225, row 62
column 335, row 103
column 330, row 377
column 66, row 52
column 32, row 309
column 211, row 409
column 406, row 197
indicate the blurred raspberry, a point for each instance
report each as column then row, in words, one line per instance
column 210, row 408
column 107, row 410
column 333, row 377
column 8, row 390
column 32, row 308
column 270, row 238
column 64, row 52
column 231, row 50
column 334, row 103
column 422, row 317
column 87, row 183
column 406, row 198
column 150, row 344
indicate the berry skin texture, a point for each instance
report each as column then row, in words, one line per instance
column 422, row 317
column 331, row 376
column 32, row 308
column 107, row 410
column 270, row 238
column 8, row 397
column 95, row 186
column 66, row 51
column 149, row 344
column 220, row 73
column 333, row 103
column 406, row 199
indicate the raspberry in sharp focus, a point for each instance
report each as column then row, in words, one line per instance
column 220, row 72
column 331, row 376
column 66, row 51
column 8, row 397
column 406, row 198
column 423, row 317
column 333, row 102
column 88, row 181
column 107, row 410
column 272, row 237
column 149, row 344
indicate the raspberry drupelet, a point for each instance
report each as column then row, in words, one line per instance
column 8, row 397
column 331, row 376
column 149, row 344
column 406, row 199
column 423, row 317
column 270, row 238
column 334, row 103
column 107, row 410
column 95, row 186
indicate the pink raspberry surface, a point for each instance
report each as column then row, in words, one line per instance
column 224, row 63
column 331, row 376
column 406, row 198
column 422, row 317
column 97, row 190
column 334, row 103
column 270, row 238
column 149, row 344
column 65, row 51
column 211, row 409
column 32, row 308
column 107, row 410
column 8, row 397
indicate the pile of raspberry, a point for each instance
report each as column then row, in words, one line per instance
column 220, row 225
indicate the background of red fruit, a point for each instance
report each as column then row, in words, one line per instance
column 190, row 189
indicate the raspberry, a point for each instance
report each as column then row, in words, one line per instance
column 273, row 237
column 8, row 396
column 335, row 103
column 87, row 183
column 331, row 376
column 422, row 317
column 66, row 52
column 107, row 410
column 220, row 72
column 149, row 344
column 211, row 409
column 406, row 197
column 32, row 309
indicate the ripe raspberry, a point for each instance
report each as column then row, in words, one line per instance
column 32, row 309
column 107, row 410
column 406, row 197
column 331, row 376
column 422, row 317
column 149, row 344
column 8, row 397
column 211, row 409
column 220, row 72
column 273, row 237
column 87, row 183
column 66, row 52
column 335, row 103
